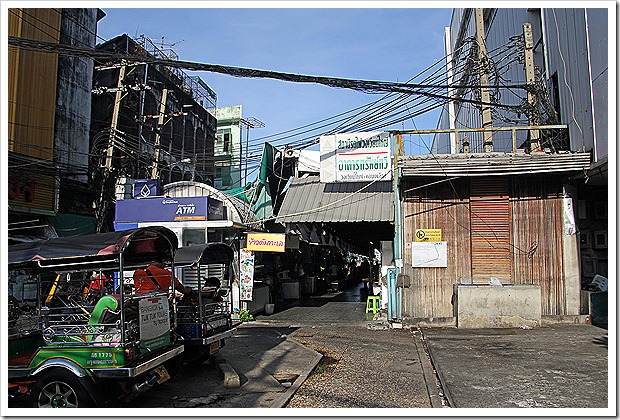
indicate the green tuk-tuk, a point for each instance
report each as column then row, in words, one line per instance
column 78, row 335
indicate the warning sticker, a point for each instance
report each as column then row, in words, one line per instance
column 428, row 235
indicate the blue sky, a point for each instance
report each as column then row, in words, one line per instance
column 383, row 44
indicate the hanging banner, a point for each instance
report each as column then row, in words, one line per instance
column 246, row 269
column 269, row 242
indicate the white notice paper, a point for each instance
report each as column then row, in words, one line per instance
column 429, row 254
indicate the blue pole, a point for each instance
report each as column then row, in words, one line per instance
column 391, row 277
column 393, row 303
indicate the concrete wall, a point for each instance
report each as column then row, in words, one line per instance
column 73, row 97
column 570, row 256
column 497, row 306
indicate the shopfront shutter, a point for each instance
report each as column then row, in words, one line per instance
column 490, row 230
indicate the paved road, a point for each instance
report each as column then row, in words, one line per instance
column 321, row 352
column 269, row 366
column 554, row 366
column 326, row 352
column 365, row 364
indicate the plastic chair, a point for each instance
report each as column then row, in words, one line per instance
column 373, row 304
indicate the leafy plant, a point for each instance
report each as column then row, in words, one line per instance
column 245, row 316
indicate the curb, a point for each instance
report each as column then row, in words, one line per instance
column 288, row 394
column 231, row 377
column 442, row 380
column 427, row 371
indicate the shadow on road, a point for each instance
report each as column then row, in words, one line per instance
column 601, row 341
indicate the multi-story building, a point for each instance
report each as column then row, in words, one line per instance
column 227, row 149
column 48, row 124
column 149, row 121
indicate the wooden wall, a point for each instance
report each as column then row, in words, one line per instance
column 537, row 227
column 442, row 206
column 531, row 241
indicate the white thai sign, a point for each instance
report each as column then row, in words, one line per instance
column 354, row 157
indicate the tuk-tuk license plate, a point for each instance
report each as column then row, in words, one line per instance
column 162, row 373
column 214, row 347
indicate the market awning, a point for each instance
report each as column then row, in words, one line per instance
column 346, row 215
column 308, row 200
column 239, row 211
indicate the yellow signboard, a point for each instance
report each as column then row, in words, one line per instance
column 428, row 235
column 269, row 242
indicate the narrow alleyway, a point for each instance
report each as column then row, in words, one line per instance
column 347, row 306
column 364, row 364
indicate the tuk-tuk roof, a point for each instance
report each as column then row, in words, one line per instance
column 212, row 253
column 135, row 244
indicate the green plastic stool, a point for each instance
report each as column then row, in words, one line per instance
column 373, row 304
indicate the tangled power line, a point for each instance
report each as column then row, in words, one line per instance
column 400, row 102
column 368, row 86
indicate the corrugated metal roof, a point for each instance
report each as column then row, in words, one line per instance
column 481, row 164
column 238, row 210
column 309, row 200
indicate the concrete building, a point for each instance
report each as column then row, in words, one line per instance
column 148, row 122
column 227, row 149
column 49, row 99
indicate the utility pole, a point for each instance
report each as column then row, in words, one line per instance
column 117, row 106
column 454, row 147
column 530, row 80
column 485, row 96
column 102, row 206
column 393, row 296
column 249, row 122
column 247, row 148
column 143, row 99
column 160, row 123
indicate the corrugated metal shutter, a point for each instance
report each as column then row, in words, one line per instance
column 490, row 230
column 32, row 81
column 190, row 275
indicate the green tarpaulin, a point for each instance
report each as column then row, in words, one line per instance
column 260, row 197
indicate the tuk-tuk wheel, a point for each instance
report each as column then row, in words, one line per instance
column 58, row 388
